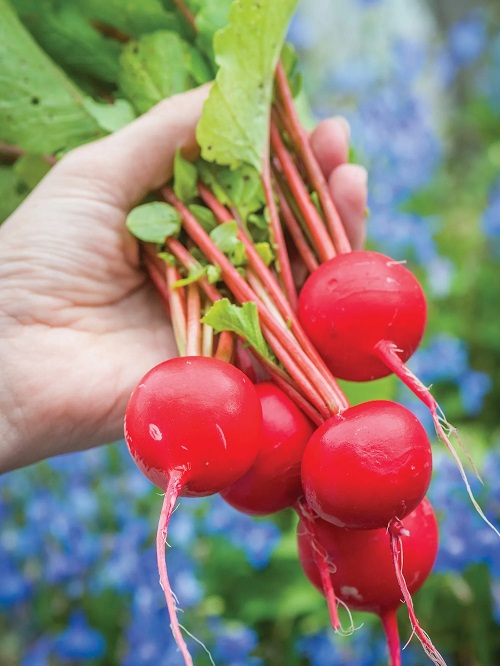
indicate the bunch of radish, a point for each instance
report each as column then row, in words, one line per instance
column 252, row 409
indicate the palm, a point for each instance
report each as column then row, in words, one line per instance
column 94, row 320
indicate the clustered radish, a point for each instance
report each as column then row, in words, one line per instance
column 253, row 409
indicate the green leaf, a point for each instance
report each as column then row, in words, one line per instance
column 213, row 16
column 12, row 191
column 265, row 252
column 195, row 273
column 240, row 319
column 234, row 126
column 290, row 61
column 204, row 216
column 154, row 222
column 67, row 36
column 241, row 189
column 30, row 169
column 185, row 178
column 133, row 17
column 40, row 108
column 214, row 273
column 225, row 236
column 110, row 117
column 156, row 66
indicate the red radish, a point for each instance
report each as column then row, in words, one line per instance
column 366, row 315
column 273, row 481
column 193, row 426
column 368, row 573
column 367, row 466
column 355, row 300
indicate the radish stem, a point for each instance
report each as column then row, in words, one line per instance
column 390, row 624
column 312, row 218
column 387, row 352
column 316, row 176
column 171, row 495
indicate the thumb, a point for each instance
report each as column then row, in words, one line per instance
column 123, row 167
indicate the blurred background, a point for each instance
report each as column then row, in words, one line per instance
column 420, row 84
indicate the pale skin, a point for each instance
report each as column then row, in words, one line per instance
column 80, row 321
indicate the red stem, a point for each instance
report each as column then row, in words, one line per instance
column 321, row 560
column 298, row 236
column 225, row 347
column 390, row 624
column 397, row 558
column 312, row 219
column 300, row 138
column 171, row 495
column 187, row 14
column 278, row 376
column 243, row 293
column 387, row 353
column 177, row 303
column 157, row 276
column 272, row 286
column 283, row 266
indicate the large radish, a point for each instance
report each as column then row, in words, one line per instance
column 193, row 427
column 367, row 466
column 369, row 573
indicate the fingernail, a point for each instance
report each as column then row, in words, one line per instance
column 344, row 123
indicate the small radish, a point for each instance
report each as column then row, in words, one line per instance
column 273, row 481
column 193, row 427
column 368, row 572
column 366, row 314
column 367, row 466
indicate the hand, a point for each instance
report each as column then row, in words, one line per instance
column 79, row 320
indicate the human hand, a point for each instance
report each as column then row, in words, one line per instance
column 80, row 321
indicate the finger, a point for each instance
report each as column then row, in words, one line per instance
column 139, row 158
column 330, row 142
column 348, row 185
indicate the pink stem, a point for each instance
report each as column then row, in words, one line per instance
column 272, row 286
column 312, row 219
column 283, row 267
column 390, row 624
column 387, row 353
column 193, row 344
column 395, row 531
column 327, row 390
column 298, row 236
column 171, row 495
column 316, row 176
column 157, row 277
column 321, row 560
column 225, row 347
column 177, row 304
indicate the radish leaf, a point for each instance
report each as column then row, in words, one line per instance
column 185, row 178
column 240, row 319
column 158, row 65
column 225, row 236
column 41, row 110
column 234, row 126
column 154, row 222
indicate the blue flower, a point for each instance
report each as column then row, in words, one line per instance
column 79, row 641
column 467, row 39
column 473, row 387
